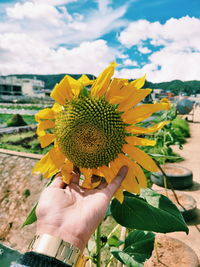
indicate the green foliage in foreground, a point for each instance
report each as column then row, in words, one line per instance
column 149, row 211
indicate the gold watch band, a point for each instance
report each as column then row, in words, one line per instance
column 55, row 247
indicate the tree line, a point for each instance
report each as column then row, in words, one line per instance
column 175, row 86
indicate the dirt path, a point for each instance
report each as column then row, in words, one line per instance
column 191, row 154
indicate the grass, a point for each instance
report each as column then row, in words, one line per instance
column 23, row 142
column 16, row 137
column 22, row 107
column 29, row 119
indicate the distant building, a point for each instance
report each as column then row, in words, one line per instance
column 160, row 93
column 13, row 86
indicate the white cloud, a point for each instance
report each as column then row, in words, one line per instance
column 36, row 57
column 184, row 31
column 34, row 11
column 54, row 2
column 166, row 66
column 143, row 49
column 35, row 37
column 129, row 62
column 179, row 56
column 44, row 19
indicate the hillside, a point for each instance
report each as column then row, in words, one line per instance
column 175, row 86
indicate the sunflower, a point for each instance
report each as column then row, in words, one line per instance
column 96, row 130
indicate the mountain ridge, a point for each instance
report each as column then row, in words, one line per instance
column 175, row 86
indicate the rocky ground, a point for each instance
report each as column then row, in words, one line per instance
column 19, row 190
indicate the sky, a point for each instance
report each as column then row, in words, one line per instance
column 159, row 38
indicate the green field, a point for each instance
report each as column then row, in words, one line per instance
column 29, row 119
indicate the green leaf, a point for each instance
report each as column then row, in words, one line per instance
column 125, row 258
column 108, row 213
column 138, row 248
column 150, row 211
column 84, row 91
column 31, row 218
column 114, row 241
column 163, row 156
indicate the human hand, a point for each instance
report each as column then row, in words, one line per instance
column 71, row 212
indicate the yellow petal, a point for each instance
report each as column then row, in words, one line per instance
column 43, row 125
column 107, row 173
column 138, row 130
column 138, row 83
column 62, row 91
column 50, row 163
column 46, row 139
column 50, row 172
column 115, row 87
column 142, row 112
column 123, row 94
column 97, row 172
column 134, row 99
column 87, row 183
column 129, row 183
column 85, row 80
column 165, row 100
column 57, row 108
column 43, row 164
column 66, row 171
column 136, row 141
column 75, row 85
column 140, row 175
column 119, row 194
column 45, row 114
column 57, row 157
column 140, row 157
column 102, row 82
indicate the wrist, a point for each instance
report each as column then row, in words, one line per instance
column 62, row 233
column 56, row 248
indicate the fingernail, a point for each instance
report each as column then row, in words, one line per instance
column 123, row 171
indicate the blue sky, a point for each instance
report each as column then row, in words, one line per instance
column 159, row 38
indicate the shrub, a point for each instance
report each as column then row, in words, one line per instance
column 16, row 120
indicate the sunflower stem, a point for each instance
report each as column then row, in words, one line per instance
column 98, row 245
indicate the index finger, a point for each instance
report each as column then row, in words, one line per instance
column 58, row 182
column 111, row 188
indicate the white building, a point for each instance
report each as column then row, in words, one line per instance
column 12, row 85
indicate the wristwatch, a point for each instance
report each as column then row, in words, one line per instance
column 53, row 246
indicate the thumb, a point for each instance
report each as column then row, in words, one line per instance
column 115, row 184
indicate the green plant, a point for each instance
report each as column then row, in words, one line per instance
column 16, row 120
column 142, row 215
column 29, row 119
column 174, row 133
column 26, row 193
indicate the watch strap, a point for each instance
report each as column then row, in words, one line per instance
column 55, row 247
